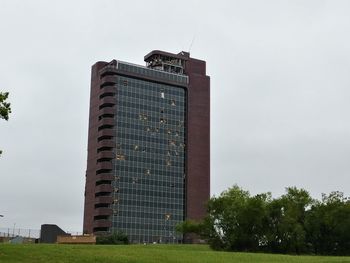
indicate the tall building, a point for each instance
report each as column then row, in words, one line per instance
column 148, row 164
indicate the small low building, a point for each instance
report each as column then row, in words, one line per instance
column 50, row 232
column 76, row 239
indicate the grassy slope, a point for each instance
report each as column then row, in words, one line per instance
column 141, row 254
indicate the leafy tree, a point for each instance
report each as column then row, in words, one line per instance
column 252, row 223
column 191, row 230
column 240, row 222
column 293, row 223
column 116, row 238
column 236, row 220
column 189, row 227
column 286, row 233
column 5, row 107
column 328, row 225
column 223, row 217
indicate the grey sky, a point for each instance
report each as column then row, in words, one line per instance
column 279, row 87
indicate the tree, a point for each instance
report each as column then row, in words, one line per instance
column 286, row 233
column 191, row 230
column 236, row 221
column 328, row 225
column 189, row 227
column 5, row 107
column 223, row 218
column 116, row 238
column 293, row 223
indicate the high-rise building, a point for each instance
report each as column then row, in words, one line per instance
column 148, row 164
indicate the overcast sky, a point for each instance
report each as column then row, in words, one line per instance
column 280, row 92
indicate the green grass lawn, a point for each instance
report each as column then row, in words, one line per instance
column 141, row 254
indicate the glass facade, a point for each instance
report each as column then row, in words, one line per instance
column 149, row 167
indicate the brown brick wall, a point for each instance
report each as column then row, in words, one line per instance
column 92, row 146
column 198, row 139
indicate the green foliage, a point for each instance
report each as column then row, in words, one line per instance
column 286, row 231
column 116, row 238
column 328, row 225
column 293, row 223
column 189, row 227
column 5, row 107
column 237, row 221
column 53, row 253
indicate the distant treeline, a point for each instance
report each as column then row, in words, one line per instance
column 294, row 223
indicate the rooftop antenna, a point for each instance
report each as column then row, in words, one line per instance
column 194, row 36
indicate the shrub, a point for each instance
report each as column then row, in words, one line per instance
column 116, row 238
